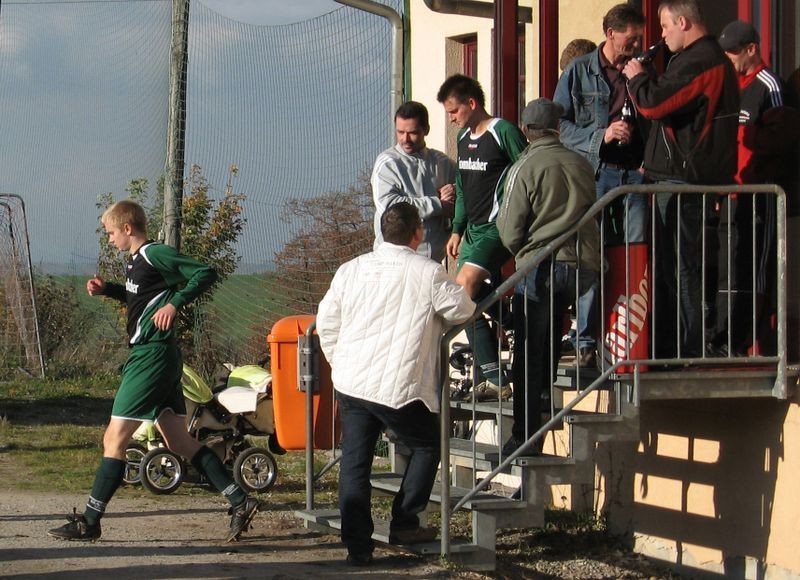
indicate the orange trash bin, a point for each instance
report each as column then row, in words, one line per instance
column 289, row 402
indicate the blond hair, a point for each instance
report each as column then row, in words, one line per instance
column 125, row 212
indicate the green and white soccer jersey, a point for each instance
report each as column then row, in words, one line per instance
column 483, row 164
column 152, row 276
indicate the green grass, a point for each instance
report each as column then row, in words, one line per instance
column 52, row 457
column 51, row 435
column 52, row 431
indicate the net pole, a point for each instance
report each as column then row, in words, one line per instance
column 173, row 185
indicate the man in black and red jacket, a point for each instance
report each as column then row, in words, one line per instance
column 694, row 107
column 768, row 134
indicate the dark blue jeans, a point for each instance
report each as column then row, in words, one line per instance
column 362, row 422
column 537, row 337
column 679, row 301
column 626, row 219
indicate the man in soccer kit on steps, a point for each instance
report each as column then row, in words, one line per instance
column 487, row 147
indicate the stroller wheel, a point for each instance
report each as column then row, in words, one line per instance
column 133, row 463
column 255, row 470
column 162, row 471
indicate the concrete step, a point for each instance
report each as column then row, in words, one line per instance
column 707, row 383
column 480, row 411
column 331, row 519
column 571, row 377
column 552, row 469
column 488, row 456
column 389, row 483
column 489, row 511
column 463, row 552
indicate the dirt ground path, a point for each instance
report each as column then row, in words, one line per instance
column 180, row 537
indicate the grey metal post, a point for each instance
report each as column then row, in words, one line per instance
column 781, row 390
column 306, row 379
column 173, row 184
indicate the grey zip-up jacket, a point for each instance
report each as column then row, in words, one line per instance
column 416, row 179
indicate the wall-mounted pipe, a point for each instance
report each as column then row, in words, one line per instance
column 396, row 21
column 474, row 8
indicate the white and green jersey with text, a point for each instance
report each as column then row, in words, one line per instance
column 153, row 275
column 483, row 163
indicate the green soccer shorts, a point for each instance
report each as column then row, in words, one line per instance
column 481, row 247
column 151, row 383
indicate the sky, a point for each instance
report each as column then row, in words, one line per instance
column 296, row 93
column 271, row 12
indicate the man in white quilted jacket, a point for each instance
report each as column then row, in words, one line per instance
column 379, row 326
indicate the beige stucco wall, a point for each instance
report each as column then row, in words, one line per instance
column 429, row 31
column 708, row 486
column 712, row 485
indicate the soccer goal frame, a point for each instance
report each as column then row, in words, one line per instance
column 20, row 341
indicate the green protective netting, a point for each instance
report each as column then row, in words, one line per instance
column 302, row 110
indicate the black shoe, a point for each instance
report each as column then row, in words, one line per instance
column 77, row 529
column 418, row 535
column 364, row 559
column 587, row 357
column 241, row 516
column 717, row 350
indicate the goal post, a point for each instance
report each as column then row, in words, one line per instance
column 20, row 343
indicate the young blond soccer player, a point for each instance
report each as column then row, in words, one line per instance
column 150, row 388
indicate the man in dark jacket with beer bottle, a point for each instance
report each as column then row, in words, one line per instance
column 694, row 107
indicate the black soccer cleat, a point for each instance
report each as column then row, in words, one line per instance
column 77, row 529
column 241, row 516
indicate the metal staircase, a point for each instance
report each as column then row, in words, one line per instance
column 461, row 483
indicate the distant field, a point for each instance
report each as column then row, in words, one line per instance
column 105, row 312
column 239, row 315
column 242, row 311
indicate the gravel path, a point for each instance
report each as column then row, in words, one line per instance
column 179, row 537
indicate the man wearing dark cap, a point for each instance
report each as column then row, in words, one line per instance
column 767, row 133
column 548, row 190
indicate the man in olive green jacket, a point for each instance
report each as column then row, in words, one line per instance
column 548, row 191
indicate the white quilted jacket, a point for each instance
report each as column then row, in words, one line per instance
column 380, row 322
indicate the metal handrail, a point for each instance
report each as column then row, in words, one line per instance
column 549, row 250
column 779, row 389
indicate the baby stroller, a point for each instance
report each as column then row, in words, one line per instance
column 240, row 406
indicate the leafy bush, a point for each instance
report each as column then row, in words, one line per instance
column 78, row 338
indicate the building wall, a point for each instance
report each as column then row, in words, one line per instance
column 711, row 486
column 428, row 59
